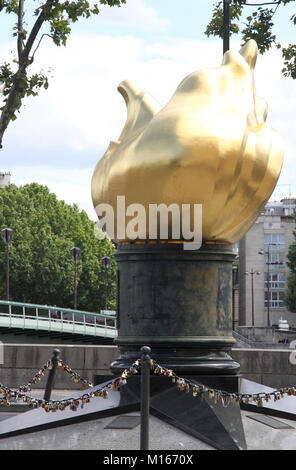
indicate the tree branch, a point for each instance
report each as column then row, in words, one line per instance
column 260, row 4
column 35, row 30
column 6, row 113
column 20, row 33
column 39, row 42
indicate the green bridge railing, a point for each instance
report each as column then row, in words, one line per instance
column 56, row 319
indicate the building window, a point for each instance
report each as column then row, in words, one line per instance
column 275, row 241
column 276, row 259
column 276, row 299
column 276, row 280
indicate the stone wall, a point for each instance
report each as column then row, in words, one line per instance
column 271, row 336
column 22, row 361
column 271, row 367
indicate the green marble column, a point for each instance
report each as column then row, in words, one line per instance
column 179, row 303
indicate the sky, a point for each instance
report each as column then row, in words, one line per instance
column 60, row 135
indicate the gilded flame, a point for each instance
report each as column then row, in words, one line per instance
column 209, row 145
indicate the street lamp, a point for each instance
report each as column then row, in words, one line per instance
column 268, row 263
column 75, row 253
column 7, row 236
column 234, row 284
column 106, row 263
column 252, row 272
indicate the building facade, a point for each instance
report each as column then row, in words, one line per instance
column 263, row 272
column 4, row 179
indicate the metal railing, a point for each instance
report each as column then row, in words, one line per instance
column 56, row 319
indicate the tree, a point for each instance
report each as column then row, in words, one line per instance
column 41, row 267
column 52, row 18
column 258, row 26
column 290, row 296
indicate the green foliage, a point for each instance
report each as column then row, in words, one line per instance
column 25, row 86
column 10, row 6
column 6, row 77
column 41, row 267
column 215, row 27
column 290, row 296
column 60, row 16
column 289, row 55
column 257, row 26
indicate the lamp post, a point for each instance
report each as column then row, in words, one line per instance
column 75, row 253
column 268, row 263
column 234, row 284
column 106, row 263
column 252, row 272
column 226, row 26
column 7, row 236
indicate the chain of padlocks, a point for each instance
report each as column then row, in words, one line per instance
column 10, row 396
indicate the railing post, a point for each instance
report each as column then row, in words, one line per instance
column 50, row 379
column 145, row 397
column 10, row 314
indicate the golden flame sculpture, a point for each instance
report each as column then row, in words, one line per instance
column 209, row 145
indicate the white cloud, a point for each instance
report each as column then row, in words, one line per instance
column 279, row 92
column 71, row 186
column 192, row 51
column 82, row 109
column 134, row 13
column 75, row 110
column 62, row 133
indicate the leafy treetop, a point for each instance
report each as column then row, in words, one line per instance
column 41, row 267
column 258, row 26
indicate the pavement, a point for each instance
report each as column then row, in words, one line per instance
column 95, row 434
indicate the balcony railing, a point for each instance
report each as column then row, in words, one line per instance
column 56, row 319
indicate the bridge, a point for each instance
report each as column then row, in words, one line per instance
column 56, row 322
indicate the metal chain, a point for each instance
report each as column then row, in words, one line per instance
column 10, row 396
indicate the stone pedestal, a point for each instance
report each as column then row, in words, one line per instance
column 178, row 302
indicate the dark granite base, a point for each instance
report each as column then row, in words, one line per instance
column 229, row 383
column 177, row 302
column 205, row 362
column 219, row 426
